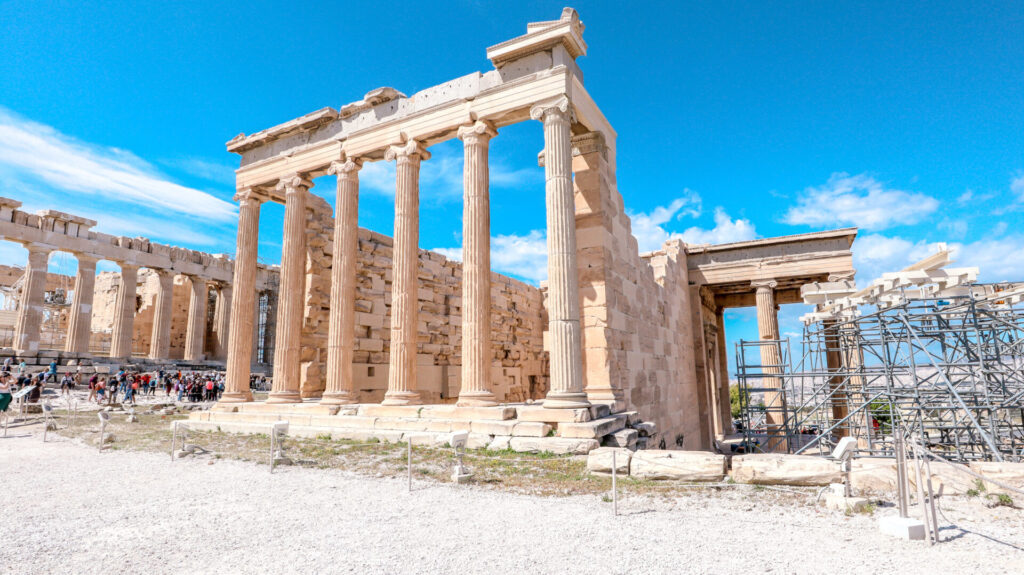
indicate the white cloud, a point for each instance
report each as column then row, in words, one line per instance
column 651, row 231
column 998, row 260
column 36, row 151
column 205, row 169
column 648, row 228
column 1017, row 187
column 726, row 231
column 861, row 201
column 524, row 257
column 876, row 254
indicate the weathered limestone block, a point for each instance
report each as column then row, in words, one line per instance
column 681, row 465
column 531, row 429
column 873, row 475
column 1011, row 474
column 600, row 460
column 538, row 413
column 621, row 438
column 494, row 427
column 556, row 445
column 782, row 469
column 592, row 429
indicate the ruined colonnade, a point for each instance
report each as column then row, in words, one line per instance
column 49, row 231
column 564, row 316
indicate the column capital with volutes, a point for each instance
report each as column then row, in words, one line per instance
column 345, row 167
column 250, row 196
column 479, row 132
column 409, row 152
column 764, row 286
column 293, row 183
column 558, row 108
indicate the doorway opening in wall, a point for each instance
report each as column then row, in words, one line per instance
column 263, row 311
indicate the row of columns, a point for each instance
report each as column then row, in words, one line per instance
column 30, row 311
column 566, row 389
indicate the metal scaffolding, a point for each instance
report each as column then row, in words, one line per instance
column 924, row 353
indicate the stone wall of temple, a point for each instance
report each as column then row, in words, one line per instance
column 637, row 327
column 518, row 321
column 319, row 249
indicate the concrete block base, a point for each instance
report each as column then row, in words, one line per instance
column 906, row 528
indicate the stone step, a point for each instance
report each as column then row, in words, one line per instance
column 592, row 429
column 545, row 415
column 622, row 438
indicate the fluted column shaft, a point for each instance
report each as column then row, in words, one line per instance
column 124, row 312
column 342, row 321
column 243, row 304
column 563, row 280
column 222, row 318
column 476, row 267
column 160, row 339
column 725, row 406
column 771, row 360
column 80, row 324
column 402, row 388
column 30, row 309
column 288, row 351
column 195, row 333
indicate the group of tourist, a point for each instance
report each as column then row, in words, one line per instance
column 193, row 386
column 124, row 385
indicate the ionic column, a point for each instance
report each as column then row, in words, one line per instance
column 243, row 304
column 33, row 293
column 563, row 280
column 404, row 286
column 124, row 312
column 771, row 360
column 723, row 371
column 195, row 333
column 160, row 338
column 341, row 329
column 80, row 324
column 476, row 267
column 288, row 350
column 222, row 317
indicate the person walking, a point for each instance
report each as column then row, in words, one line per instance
column 51, row 375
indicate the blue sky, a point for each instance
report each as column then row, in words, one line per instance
column 735, row 121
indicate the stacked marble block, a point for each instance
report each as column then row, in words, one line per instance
column 519, row 362
column 526, row 428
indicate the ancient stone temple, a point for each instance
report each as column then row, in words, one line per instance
column 377, row 338
column 165, row 303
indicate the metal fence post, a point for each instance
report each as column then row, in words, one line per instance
column 615, row 490
column 409, row 444
column 174, row 438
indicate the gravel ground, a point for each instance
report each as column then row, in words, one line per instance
column 71, row 509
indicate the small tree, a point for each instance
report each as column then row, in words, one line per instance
column 734, row 400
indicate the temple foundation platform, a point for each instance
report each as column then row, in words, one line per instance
column 526, row 428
